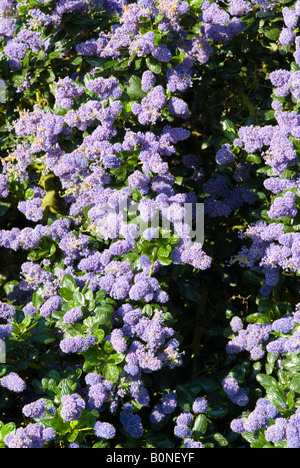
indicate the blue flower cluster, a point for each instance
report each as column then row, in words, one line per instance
column 91, row 107
column 259, row 418
column 34, row 435
column 277, row 429
column 278, row 338
column 279, row 341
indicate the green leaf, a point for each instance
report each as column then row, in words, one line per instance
column 67, row 387
column 217, row 413
column 52, row 386
column 69, row 282
column 159, row 18
column 266, row 381
column 221, row 439
column 196, row 3
column 9, row 287
column 77, row 61
column 148, row 310
column 29, row 194
column 101, row 445
column 18, row 79
column 276, row 397
column 259, row 442
column 164, row 251
column 93, row 357
column 165, row 261
column 111, row 373
column 38, row 297
column 48, row 75
column 295, row 383
column 292, row 363
column 228, row 128
column 73, row 436
column 60, row 426
column 257, row 317
column 100, row 295
column 200, row 424
column 121, row 65
column 108, row 347
column 153, row 65
column 66, row 294
column 272, row 34
column 294, row 66
column 272, row 359
column 4, row 207
column 99, row 335
column 116, row 358
column 96, row 61
column 26, row 322
column 53, row 374
column 79, row 297
column 103, row 314
column 159, row 440
column 7, row 429
column 250, row 437
column 134, row 88
column 54, row 55
column 253, row 158
column 270, row 115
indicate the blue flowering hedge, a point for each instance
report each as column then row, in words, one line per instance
column 149, row 224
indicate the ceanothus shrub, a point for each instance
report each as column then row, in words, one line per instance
column 122, row 328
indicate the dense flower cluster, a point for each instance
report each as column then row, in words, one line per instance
column 32, row 436
column 258, row 338
column 281, row 430
column 259, row 418
column 236, row 394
